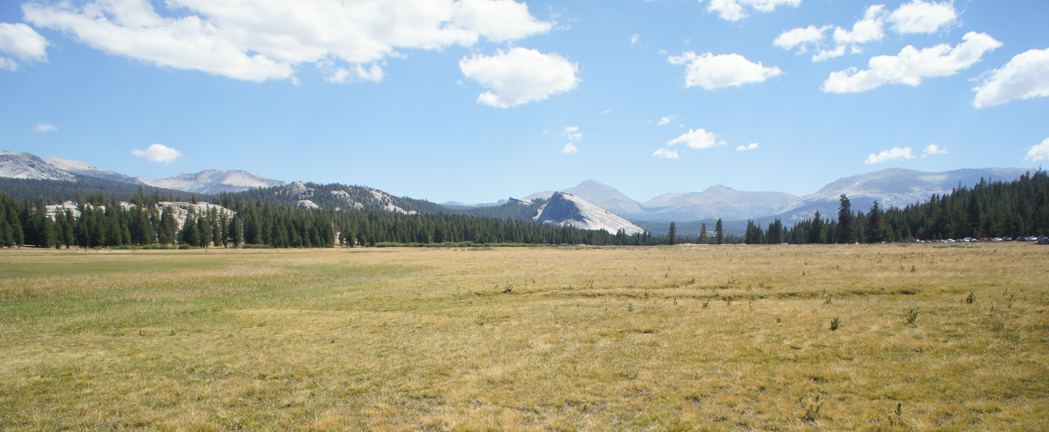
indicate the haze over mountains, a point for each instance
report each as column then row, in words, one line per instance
column 591, row 199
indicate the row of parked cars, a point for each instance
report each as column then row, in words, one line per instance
column 1043, row 240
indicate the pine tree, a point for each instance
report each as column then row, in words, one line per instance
column 875, row 230
column 816, row 230
column 672, row 234
column 236, row 235
column 843, row 232
column 702, row 234
column 719, row 232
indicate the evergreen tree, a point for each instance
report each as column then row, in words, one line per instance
column 236, row 234
column 702, row 234
column 672, row 234
column 843, row 232
column 875, row 230
column 719, row 232
column 816, row 229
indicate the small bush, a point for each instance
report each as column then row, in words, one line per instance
column 912, row 317
column 971, row 299
column 834, row 324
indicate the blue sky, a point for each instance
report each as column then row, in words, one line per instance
column 477, row 100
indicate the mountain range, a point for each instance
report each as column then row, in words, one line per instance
column 590, row 204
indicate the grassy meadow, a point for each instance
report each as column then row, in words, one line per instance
column 927, row 337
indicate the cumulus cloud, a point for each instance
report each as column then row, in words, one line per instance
column 802, row 37
column 520, row 76
column 1025, row 76
column 724, row 70
column 891, row 154
column 912, row 65
column 664, row 121
column 921, row 17
column 1038, row 152
column 697, row 139
column 914, row 17
column 263, row 40
column 751, row 146
column 735, row 10
column 570, row 149
column 933, row 149
column 633, row 39
column 45, row 127
column 666, row 153
column 868, row 29
column 158, row 153
column 21, row 41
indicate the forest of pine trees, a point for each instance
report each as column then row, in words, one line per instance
column 108, row 224
column 988, row 210
column 998, row 209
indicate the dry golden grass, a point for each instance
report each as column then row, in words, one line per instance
column 676, row 338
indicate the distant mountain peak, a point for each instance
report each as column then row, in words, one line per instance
column 569, row 210
column 891, row 187
column 31, row 167
column 215, row 181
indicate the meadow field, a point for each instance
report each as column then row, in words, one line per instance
column 778, row 338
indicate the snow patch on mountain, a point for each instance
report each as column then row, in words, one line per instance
column 569, row 210
column 30, row 167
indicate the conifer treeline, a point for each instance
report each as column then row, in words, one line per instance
column 988, row 210
column 267, row 223
column 998, row 209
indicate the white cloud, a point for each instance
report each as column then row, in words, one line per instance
column 353, row 73
column 497, row 21
column 724, row 70
column 914, row 17
column 45, row 127
column 259, row 40
column 1025, row 76
column 570, row 149
column 802, row 36
column 572, row 133
column 666, row 153
column 21, row 41
column 158, row 153
column 664, row 120
column 933, row 149
column 1038, row 152
column 911, row 65
column 868, row 29
column 921, row 17
column 733, row 10
column 520, row 76
column 829, row 54
column 635, row 38
column 892, row 154
column 751, row 146
column 697, row 139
